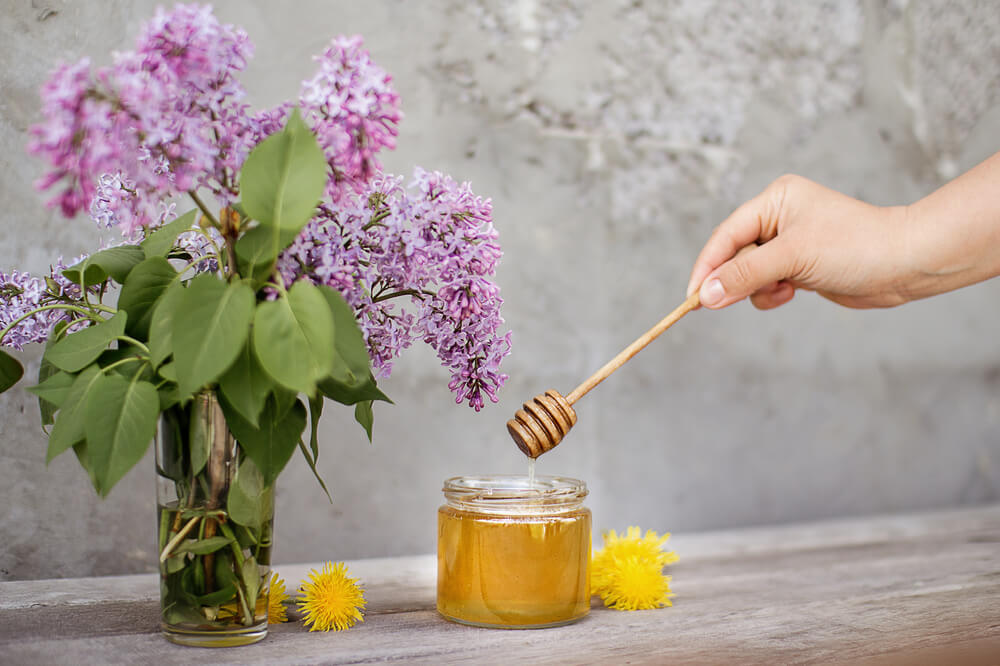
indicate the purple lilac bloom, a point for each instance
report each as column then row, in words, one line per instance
column 162, row 119
column 414, row 263
column 354, row 111
column 20, row 293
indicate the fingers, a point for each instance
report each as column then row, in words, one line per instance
column 772, row 295
column 750, row 272
column 742, row 228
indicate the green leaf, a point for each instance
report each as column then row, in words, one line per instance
column 80, row 449
column 271, row 445
column 312, row 466
column 364, row 415
column 283, row 400
column 250, row 501
column 68, row 428
column 283, row 178
column 293, row 338
column 350, row 394
column 54, row 389
column 251, row 581
column 175, row 564
column 246, row 385
column 203, row 546
column 352, row 364
column 78, row 350
column 161, row 325
column 211, row 323
column 315, row 412
column 11, row 371
column 351, row 380
column 169, row 396
column 168, row 371
column 218, row 597
column 257, row 249
column 201, row 431
column 160, row 242
column 113, row 262
column 46, row 409
column 144, row 285
column 225, row 572
column 120, row 423
column 85, row 274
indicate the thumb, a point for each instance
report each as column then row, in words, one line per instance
column 745, row 273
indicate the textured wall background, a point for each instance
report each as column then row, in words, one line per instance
column 612, row 137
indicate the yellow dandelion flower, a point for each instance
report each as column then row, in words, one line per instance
column 628, row 572
column 276, row 598
column 637, row 585
column 331, row 600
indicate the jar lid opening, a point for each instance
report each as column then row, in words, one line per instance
column 512, row 493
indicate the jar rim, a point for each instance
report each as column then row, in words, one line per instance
column 512, row 493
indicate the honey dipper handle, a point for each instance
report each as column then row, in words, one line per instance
column 633, row 349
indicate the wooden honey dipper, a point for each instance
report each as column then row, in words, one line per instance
column 544, row 421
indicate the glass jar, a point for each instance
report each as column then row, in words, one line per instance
column 513, row 554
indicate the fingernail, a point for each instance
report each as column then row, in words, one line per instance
column 712, row 292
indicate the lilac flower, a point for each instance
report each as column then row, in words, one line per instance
column 20, row 293
column 168, row 118
column 74, row 136
column 163, row 119
column 354, row 112
column 415, row 264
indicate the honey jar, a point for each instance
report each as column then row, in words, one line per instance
column 513, row 553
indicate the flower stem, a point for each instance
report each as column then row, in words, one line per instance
column 55, row 306
column 122, row 361
column 204, row 209
column 403, row 292
column 178, row 538
column 134, row 342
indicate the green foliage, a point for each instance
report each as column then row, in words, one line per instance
column 78, row 350
column 161, row 325
column 271, row 445
column 210, row 326
column 68, row 428
column 351, row 380
column 120, row 422
column 250, row 499
column 203, row 546
column 282, row 180
column 46, row 408
column 257, row 249
column 140, row 291
column 161, row 242
column 363, row 414
column 172, row 336
column 113, row 262
column 11, row 371
column 53, row 390
column 293, row 337
column 245, row 385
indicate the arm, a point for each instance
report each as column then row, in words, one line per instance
column 797, row 234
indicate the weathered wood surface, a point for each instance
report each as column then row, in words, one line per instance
column 918, row 589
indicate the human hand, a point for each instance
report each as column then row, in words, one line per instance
column 797, row 234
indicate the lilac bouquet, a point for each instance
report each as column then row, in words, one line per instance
column 301, row 272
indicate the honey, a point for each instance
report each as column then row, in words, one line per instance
column 514, row 554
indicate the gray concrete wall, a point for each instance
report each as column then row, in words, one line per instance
column 612, row 137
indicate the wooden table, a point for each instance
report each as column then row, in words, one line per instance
column 916, row 589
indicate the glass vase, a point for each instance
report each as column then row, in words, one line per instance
column 215, row 520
